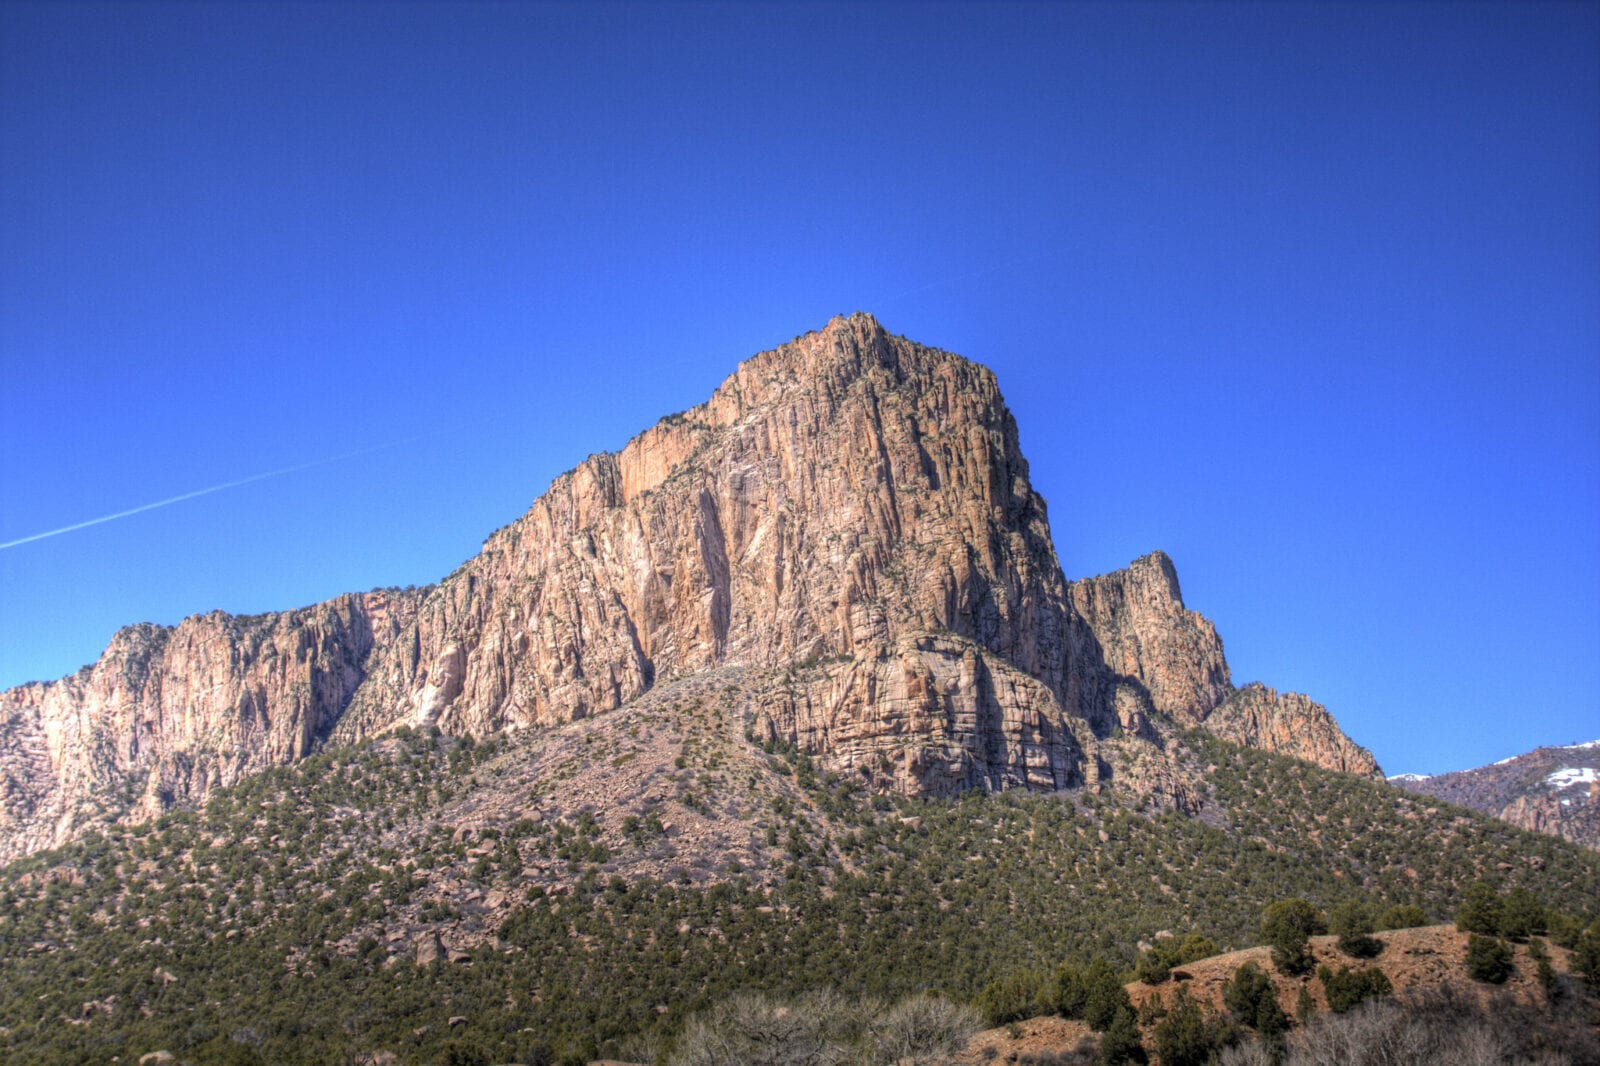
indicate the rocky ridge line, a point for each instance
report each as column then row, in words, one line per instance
column 852, row 509
column 1553, row 790
column 169, row 714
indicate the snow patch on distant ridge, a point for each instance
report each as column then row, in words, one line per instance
column 1582, row 775
column 1550, row 747
column 1410, row 777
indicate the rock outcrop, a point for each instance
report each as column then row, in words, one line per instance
column 168, row 714
column 846, row 526
column 931, row 714
column 1150, row 641
column 833, row 496
column 1289, row 724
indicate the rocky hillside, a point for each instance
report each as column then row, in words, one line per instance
column 851, row 510
column 565, row 894
column 1553, row 790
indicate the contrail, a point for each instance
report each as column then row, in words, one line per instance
column 207, row 491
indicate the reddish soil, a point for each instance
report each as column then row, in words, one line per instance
column 1412, row 959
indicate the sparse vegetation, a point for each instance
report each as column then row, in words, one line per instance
column 824, row 1028
column 1189, row 1035
column 285, row 921
column 1288, row 926
column 1442, row 1025
column 1156, row 964
column 1479, row 911
column 1352, row 922
column 1023, row 994
column 1403, row 916
column 1521, row 915
column 1586, row 955
column 1250, row 997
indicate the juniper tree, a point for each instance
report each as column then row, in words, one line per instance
column 1287, row 926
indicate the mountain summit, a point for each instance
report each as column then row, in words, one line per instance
column 845, row 533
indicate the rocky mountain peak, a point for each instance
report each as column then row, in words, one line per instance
column 1158, row 571
column 844, row 530
column 833, row 494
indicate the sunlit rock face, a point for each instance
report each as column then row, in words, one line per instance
column 833, row 496
column 1290, row 724
column 1148, row 638
column 167, row 714
column 845, row 529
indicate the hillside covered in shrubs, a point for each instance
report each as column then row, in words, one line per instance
column 445, row 901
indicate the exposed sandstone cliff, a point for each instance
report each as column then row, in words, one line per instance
column 1149, row 639
column 833, row 496
column 1154, row 645
column 1290, row 724
column 846, row 527
column 168, row 714
column 931, row 714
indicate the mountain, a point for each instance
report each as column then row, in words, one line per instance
column 169, row 714
column 790, row 693
column 1554, row 790
column 850, row 502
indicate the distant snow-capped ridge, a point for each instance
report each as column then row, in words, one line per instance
column 1554, row 789
column 1551, row 747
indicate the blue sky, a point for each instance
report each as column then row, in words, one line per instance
column 1307, row 296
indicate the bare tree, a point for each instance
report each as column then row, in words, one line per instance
column 826, row 1029
column 924, row 1029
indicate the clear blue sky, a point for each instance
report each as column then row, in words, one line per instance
column 1307, row 296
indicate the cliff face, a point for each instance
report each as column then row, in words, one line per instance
column 845, row 529
column 833, row 496
column 852, row 502
column 168, row 714
column 1154, row 645
column 1289, row 724
column 1149, row 640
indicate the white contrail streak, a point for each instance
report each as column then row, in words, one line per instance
column 203, row 492
column 975, row 275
